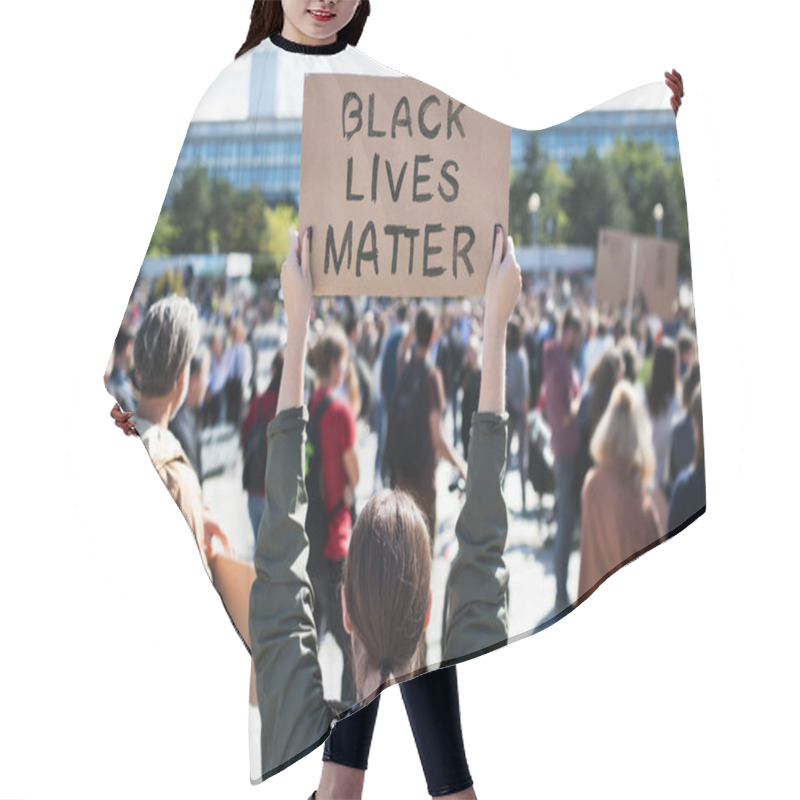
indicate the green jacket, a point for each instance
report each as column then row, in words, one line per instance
column 295, row 716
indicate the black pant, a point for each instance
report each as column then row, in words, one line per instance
column 432, row 706
column 326, row 579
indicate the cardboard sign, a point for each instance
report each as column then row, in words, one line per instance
column 402, row 186
column 652, row 271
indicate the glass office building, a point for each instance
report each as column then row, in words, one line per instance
column 571, row 139
column 261, row 152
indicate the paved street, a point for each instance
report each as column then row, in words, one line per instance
column 528, row 555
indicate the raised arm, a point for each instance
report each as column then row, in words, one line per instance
column 297, row 288
column 478, row 580
column 291, row 703
column 502, row 291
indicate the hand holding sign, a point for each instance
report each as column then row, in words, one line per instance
column 296, row 280
column 503, row 284
column 297, row 285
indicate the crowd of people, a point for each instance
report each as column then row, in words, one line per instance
column 621, row 403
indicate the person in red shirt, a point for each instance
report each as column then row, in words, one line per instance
column 562, row 390
column 254, row 449
column 340, row 475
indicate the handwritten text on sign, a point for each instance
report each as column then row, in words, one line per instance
column 402, row 185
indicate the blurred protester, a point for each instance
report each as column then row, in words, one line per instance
column 630, row 357
column 450, row 361
column 465, row 321
column 383, row 321
column 517, row 403
column 645, row 347
column 561, row 400
column 535, row 338
column 391, row 350
column 415, row 440
column 332, row 424
column 378, row 422
column 252, row 348
column 360, row 369
column 388, row 381
column 214, row 406
column 185, row 424
column 619, row 518
column 663, row 406
column 471, row 388
column 681, row 447
column 598, row 342
column 687, row 350
column 119, row 383
column 605, row 375
column 350, row 391
column 689, row 492
column 240, row 368
column 368, row 343
column 254, row 443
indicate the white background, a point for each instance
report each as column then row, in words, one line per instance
column 120, row 675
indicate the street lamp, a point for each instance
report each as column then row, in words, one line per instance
column 534, row 202
column 658, row 216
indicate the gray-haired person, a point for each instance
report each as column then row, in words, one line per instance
column 162, row 353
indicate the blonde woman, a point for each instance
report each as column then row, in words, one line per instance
column 619, row 517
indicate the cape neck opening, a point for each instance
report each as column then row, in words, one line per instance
column 308, row 49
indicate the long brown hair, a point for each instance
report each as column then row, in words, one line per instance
column 387, row 578
column 603, row 379
column 663, row 380
column 330, row 348
column 266, row 18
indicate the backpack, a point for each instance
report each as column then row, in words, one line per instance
column 408, row 440
column 317, row 518
column 255, row 451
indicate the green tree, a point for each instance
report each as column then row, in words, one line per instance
column 555, row 185
column 249, row 226
column 676, row 223
column 647, row 179
column 524, row 182
column 592, row 199
column 165, row 233
column 222, row 216
column 207, row 214
column 274, row 243
column 641, row 171
column 192, row 207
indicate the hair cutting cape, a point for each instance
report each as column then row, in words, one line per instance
column 597, row 209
